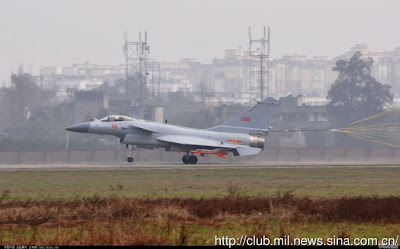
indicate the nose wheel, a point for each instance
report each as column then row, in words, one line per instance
column 130, row 158
column 186, row 159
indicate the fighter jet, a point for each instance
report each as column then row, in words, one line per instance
column 242, row 135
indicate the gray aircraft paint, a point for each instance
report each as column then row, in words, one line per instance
column 255, row 120
column 241, row 135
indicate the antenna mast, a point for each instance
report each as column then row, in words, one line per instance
column 136, row 58
column 258, row 54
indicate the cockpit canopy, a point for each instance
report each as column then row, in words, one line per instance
column 116, row 118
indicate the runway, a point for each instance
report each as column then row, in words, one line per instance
column 163, row 165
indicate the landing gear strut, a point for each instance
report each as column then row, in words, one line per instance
column 186, row 159
column 130, row 158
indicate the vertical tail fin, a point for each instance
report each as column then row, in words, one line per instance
column 255, row 120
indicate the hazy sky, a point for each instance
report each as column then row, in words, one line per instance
column 60, row 33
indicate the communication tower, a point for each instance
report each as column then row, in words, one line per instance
column 259, row 52
column 136, row 62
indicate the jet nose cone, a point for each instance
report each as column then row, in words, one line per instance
column 83, row 127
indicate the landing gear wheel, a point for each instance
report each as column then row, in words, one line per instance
column 193, row 159
column 130, row 158
column 185, row 159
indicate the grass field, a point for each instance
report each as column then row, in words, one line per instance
column 192, row 206
column 197, row 183
column 179, row 221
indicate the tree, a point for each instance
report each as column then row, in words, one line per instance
column 30, row 125
column 19, row 98
column 26, row 90
column 355, row 93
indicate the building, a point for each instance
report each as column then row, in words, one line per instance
column 228, row 80
column 293, row 114
column 65, row 80
column 88, row 104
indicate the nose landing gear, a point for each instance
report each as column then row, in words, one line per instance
column 130, row 158
column 186, row 159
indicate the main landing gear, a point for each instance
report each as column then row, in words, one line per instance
column 130, row 158
column 186, row 159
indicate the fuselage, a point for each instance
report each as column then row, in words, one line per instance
column 242, row 135
column 129, row 133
